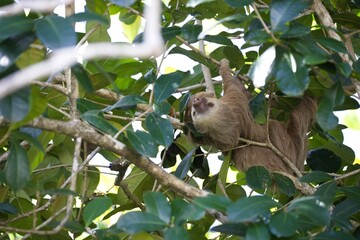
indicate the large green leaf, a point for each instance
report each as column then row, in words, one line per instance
column 285, row 184
column 17, row 169
column 250, row 209
column 184, row 166
column 134, row 222
column 291, row 73
column 333, row 44
column 160, row 129
column 190, row 32
column 157, row 204
column 282, row 11
column 126, row 102
column 183, row 211
column 14, row 25
column 55, row 32
column 95, row 208
column 316, row 177
column 96, row 119
column 257, row 231
column 258, row 178
column 15, row 106
column 83, row 78
column 176, row 232
column 213, row 201
column 282, row 224
column 143, row 143
column 166, row 85
column 87, row 16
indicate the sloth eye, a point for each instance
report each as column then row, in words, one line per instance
column 194, row 113
column 210, row 104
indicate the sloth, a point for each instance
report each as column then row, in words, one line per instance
column 220, row 123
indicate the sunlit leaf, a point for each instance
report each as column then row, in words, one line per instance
column 166, row 85
column 96, row 119
column 157, row 204
column 95, row 208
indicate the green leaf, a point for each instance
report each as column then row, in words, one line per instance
column 213, row 201
column 250, row 209
column 27, row 137
column 157, row 204
column 160, row 129
column 312, row 208
column 347, row 19
column 176, row 232
column 184, row 166
column 282, row 224
column 325, row 160
column 223, row 173
column 332, row 44
column 16, row 106
column 231, row 228
column 330, row 235
column 190, row 32
column 258, row 178
column 101, row 32
column 96, row 119
column 14, row 25
column 326, row 192
column 352, row 192
column 291, row 73
column 346, row 209
column 282, row 11
column 12, row 48
column 257, row 231
column 83, row 78
column 183, row 211
column 218, row 39
column 17, row 169
column 285, row 184
column 166, row 85
column 88, row 16
column 134, row 222
column 143, row 143
column 83, row 105
column 55, row 32
column 95, row 208
column 237, row 3
column 126, row 102
column 259, row 71
column 316, row 177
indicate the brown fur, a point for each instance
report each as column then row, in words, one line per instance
column 232, row 119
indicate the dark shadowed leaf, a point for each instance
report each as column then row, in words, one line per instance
column 250, row 209
column 12, row 48
column 190, row 32
column 134, row 222
column 257, row 231
column 8, row 208
column 330, row 235
column 157, row 204
column 17, row 169
column 237, row 4
column 95, row 208
column 184, row 165
column 352, row 192
column 160, row 129
column 166, row 85
column 333, row 44
column 55, row 32
column 231, row 228
column 282, row 11
column 326, row 192
column 282, row 224
column 285, row 184
column 15, row 106
column 143, row 143
column 258, row 178
column 87, row 16
column 14, row 25
column 324, row 160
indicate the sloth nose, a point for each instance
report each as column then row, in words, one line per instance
column 196, row 101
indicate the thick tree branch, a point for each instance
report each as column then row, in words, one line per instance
column 77, row 128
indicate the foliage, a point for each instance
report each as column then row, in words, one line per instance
column 281, row 47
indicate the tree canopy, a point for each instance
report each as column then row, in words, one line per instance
column 70, row 93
